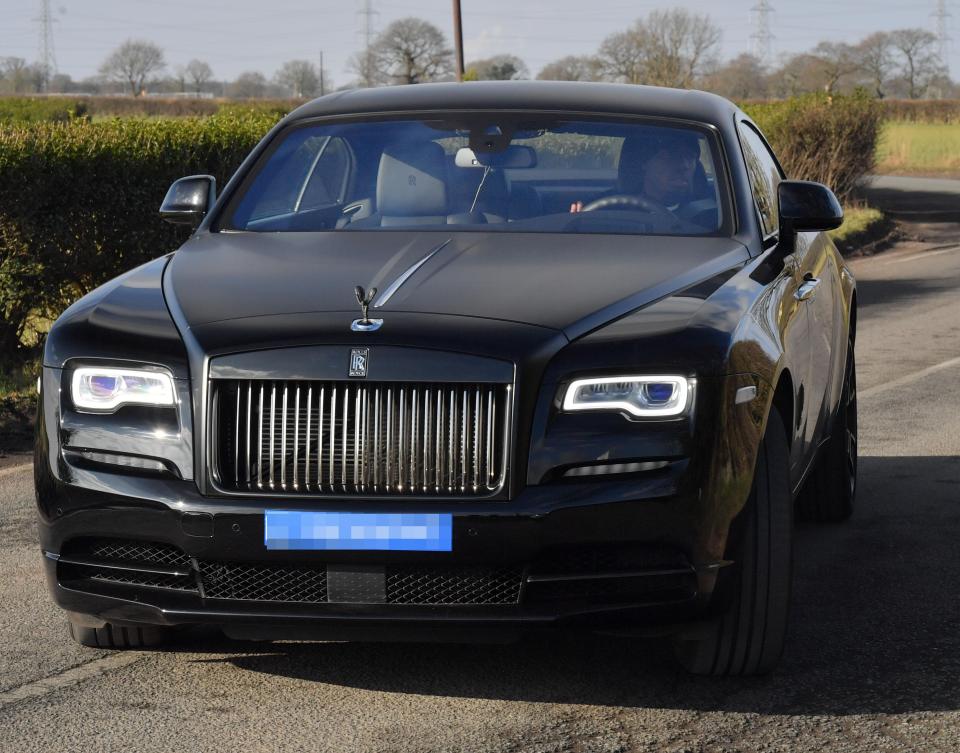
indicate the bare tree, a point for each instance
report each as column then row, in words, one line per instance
column 17, row 76
column 198, row 73
column 497, row 68
column 681, row 46
column 833, row 61
column 741, row 78
column 919, row 62
column 408, row 51
column 302, row 78
column 249, row 85
column 132, row 63
column 622, row 56
column 668, row 48
column 799, row 74
column 875, row 55
column 364, row 64
column 571, row 68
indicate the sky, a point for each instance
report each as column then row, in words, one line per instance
column 241, row 35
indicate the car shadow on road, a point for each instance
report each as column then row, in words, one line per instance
column 898, row 290
column 874, row 628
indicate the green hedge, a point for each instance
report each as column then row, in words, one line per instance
column 830, row 139
column 79, row 200
column 35, row 109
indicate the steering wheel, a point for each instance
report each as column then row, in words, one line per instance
column 626, row 201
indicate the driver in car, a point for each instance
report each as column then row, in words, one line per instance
column 660, row 168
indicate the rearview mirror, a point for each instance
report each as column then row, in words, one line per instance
column 189, row 199
column 806, row 206
column 512, row 158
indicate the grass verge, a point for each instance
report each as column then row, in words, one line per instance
column 862, row 230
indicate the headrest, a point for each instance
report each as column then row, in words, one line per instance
column 412, row 180
column 640, row 147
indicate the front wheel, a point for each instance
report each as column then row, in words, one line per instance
column 748, row 638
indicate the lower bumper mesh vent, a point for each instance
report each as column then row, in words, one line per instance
column 148, row 565
column 264, row 582
column 430, row 585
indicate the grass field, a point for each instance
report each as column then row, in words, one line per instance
column 919, row 149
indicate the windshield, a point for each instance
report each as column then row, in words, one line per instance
column 486, row 173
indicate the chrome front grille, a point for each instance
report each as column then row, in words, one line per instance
column 308, row 437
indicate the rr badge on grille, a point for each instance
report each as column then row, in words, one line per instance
column 359, row 359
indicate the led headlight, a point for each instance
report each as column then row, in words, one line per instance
column 103, row 389
column 638, row 395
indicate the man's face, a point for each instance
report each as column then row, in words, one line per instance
column 668, row 176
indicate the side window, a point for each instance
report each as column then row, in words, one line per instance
column 328, row 181
column 764, row 174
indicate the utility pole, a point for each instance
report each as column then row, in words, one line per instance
column 323, row 84
column 48, row 58
column 458, row 38
column 762, row 38
column 942, row 16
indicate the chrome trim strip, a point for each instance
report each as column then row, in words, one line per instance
column 249, row 405
column 389, row 422
column 306, row 453
column 333, row 439
column 283, row 440
column 394, row 286
column 344, row 423
column 296, row 438
column 609, row 576
column 260, row 442
column 236, row 443
column 320, row 440
column 83, row 562
column 273, row 425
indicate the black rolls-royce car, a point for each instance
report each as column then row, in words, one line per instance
column 460, row 361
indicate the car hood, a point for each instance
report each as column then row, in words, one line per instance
column 567, row 283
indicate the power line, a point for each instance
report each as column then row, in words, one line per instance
column 367, row 16
column 761, row 40
column 942, row 17
column 48, row 57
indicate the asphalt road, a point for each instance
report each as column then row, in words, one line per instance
column 913, row 198
column 872, row 663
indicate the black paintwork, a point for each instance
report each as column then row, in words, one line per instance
column 549, row 308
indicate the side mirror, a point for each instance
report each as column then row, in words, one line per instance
column 806, row 206
column 189, row 199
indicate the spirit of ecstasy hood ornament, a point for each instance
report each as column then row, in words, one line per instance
column 366, row 324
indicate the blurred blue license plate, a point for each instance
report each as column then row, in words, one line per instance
column 395, row 532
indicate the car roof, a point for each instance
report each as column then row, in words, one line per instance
column 563, row 96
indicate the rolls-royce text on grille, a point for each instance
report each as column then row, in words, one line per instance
column 462, row 361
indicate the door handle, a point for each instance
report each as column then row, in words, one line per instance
column 807, row 288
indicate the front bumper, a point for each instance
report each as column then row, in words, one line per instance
column 604, row 554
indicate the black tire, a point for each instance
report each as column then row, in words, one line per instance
column 748, row 638
column 828, row 494
column 118, row 637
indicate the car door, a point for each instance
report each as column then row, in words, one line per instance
column 765, row 175
column 819, row 275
